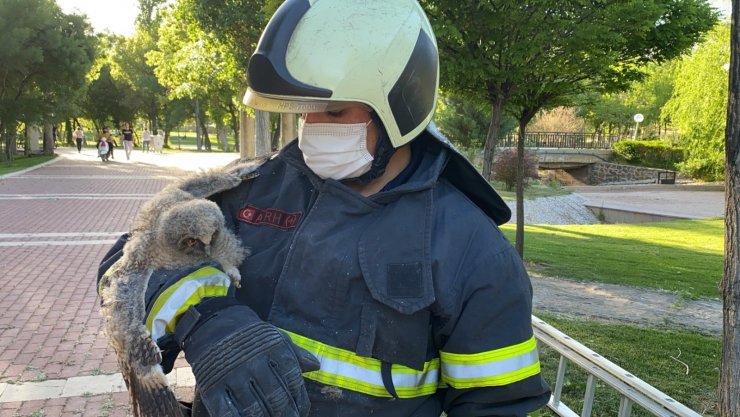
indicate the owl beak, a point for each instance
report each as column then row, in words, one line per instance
column 206, row 241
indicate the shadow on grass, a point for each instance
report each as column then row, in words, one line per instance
column 687, row 258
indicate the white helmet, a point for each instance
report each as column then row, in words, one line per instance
column 319, row 55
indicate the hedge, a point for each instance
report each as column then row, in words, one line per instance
column 648, row 153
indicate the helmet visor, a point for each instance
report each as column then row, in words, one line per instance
column 282, row 104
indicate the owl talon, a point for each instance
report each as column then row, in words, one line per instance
column 235, row 276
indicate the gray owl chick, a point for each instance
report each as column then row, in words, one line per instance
column 178, row 228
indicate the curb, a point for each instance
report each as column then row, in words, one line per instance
column 82, row 386
column 56, row 158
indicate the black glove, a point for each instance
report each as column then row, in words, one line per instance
column 243, row 366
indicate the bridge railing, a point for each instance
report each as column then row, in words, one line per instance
column 561, row 140
column 632, row 390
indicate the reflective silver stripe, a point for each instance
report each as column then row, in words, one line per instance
column 373, row 377
column 206, row 281
column 345, row 369
column 491, row 369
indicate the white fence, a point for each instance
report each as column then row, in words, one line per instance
column 633, row 390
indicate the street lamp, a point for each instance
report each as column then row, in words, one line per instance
column 638, row 118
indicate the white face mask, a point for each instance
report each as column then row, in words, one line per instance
column 335, row 150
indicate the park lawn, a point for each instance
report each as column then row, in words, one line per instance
column 680, row 256
column 536, row 189
column 187, row 140
column 646, row 353
column 22, row 162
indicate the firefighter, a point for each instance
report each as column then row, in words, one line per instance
column 379, row 282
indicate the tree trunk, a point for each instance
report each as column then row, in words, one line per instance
column 154, row 126
column 526, row 116
column 9, row 132
column 198, row 143
column 247, row 140
column 730, row 288
column 262, row 126
column 204, row 133
column 287, row 128
column 48, row 139
column 520, row 189
column 234, row 117
column 68, row 129
column 221, row 135
column 489, row 150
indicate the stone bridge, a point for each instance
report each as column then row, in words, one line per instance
column 569, row 158
column 583, row 158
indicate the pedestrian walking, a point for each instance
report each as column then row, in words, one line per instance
column 111, row 142
column 146, row 139
column 128, row 140
column 79, row 136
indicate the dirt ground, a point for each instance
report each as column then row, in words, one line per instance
column 617, row 303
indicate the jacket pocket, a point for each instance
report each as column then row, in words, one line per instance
column 394, row 255
column 394, row 337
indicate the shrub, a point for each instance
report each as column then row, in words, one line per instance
column 705, row 169
column 505, row 167
column 649, row 153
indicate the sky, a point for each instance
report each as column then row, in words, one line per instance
column 118, row 16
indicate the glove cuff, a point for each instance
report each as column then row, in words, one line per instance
column 196, row 315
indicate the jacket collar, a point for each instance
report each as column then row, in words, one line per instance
column 441, row 160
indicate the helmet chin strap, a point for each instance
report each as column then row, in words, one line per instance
column 383, row 152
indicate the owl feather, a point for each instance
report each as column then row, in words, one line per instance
column 176, row 229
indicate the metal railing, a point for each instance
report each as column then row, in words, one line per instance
column 561, row 140
column 632, row 390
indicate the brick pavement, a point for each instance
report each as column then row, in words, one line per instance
column 56, row 223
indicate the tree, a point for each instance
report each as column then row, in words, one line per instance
column 463, row 121
column 698, row 105
column 174, row 113
column 146, row 95
column 239, row 24
column 605, row 110
column 148, row 13
column 560, row 119
column 44, row 55
column 647, row 97
column 534, row 55
column 104, row 104
column 729, row 401
column 194, row 64
column 495, row 49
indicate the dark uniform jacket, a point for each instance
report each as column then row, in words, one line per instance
column 412, row 299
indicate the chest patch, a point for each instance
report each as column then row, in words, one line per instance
column 280, row 219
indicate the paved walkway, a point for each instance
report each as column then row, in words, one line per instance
column 683, row 201
column 56, row 223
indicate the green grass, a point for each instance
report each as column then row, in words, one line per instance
column 22, row 162
column 536, row 189
column 679, row 256
column 186, row 140
column 647, row 354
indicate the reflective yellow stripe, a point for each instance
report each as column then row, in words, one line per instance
column 345, row 369
column 176, row 299
column 492, row 368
